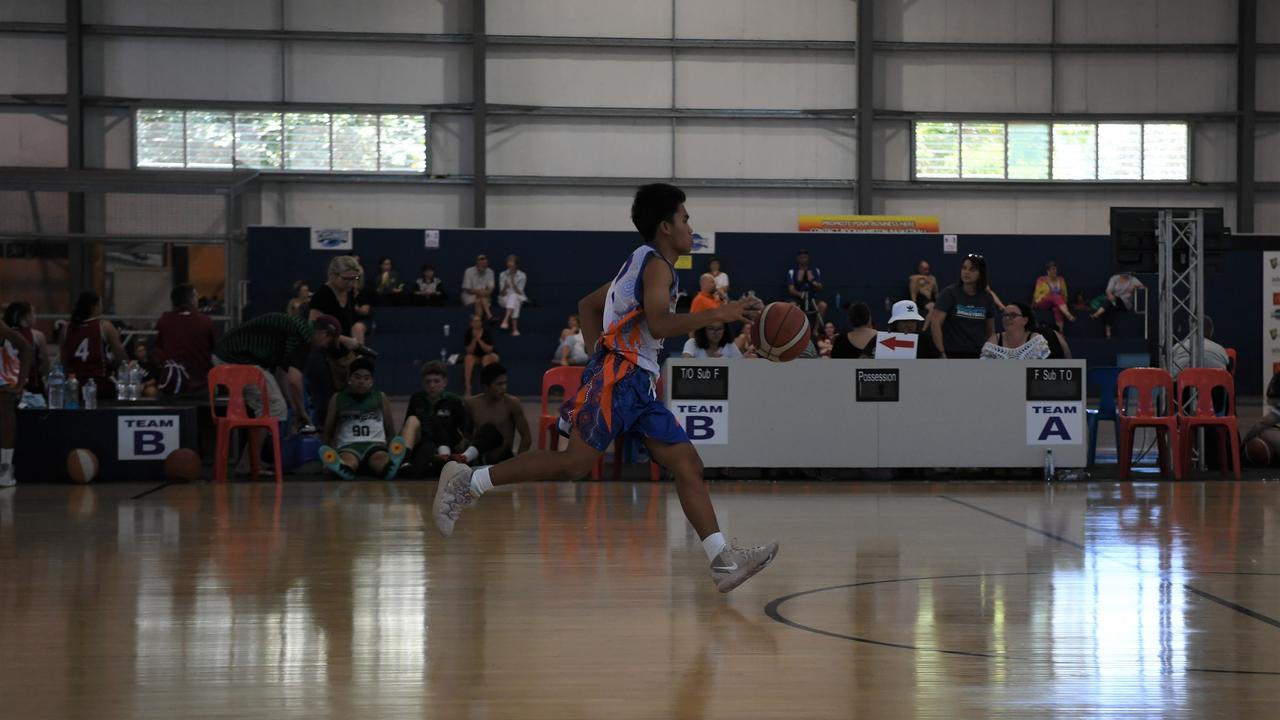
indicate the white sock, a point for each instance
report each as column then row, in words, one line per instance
column 711, row 544
column 480, row 482
column 6, row 456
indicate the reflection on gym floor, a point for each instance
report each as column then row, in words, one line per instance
column 592, row 600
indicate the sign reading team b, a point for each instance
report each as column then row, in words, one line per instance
column 147, row 437
column 1055, row 423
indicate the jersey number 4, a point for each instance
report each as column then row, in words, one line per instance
column 82, row 350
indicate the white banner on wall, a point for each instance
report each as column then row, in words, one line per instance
column 331, row 239
column 1270, row 316
column 704, row 244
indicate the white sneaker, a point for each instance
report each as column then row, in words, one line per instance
column 735, row 565
column 453, row 493
column 6, row 476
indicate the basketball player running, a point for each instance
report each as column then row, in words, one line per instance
column 618, row 396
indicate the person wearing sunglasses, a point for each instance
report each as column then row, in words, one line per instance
column 1018, row 341
column 964, row 315
column 337, row 297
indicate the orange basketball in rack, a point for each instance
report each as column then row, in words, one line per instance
column 782, row 332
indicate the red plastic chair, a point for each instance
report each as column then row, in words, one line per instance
column 1205, row 380
column 568, row 378
column 235, row 378
column 1146, row 381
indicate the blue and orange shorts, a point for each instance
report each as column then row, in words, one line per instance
column 618, row 398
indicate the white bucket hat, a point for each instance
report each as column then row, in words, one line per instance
column 905, row 310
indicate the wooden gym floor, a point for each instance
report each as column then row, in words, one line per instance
column 589, row 600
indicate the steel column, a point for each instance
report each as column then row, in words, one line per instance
column 1247, row 104
column 479, row 116
column 866, row 104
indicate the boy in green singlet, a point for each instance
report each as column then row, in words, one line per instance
column 358, row 424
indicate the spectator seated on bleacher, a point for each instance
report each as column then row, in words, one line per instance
column 429, row 288
column 479, row 349
column 922, row 288
column 388, row 281
column 706, row 299
column 185, row 339
column 860, row 341
column 1051, row 294
column 477, row 288
column 721, row 278
column 825, row 340
column 572, row 349
column 511, row 284
column 1118, row 298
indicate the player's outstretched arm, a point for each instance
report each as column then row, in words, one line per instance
column 664, row 324
column 591, row 317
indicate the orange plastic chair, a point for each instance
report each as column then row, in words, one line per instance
column 1231, row 355
column 1205, row 380
column 235, row 378
column 1146, row 381
column 568, row 378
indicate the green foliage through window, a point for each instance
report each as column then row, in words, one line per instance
column 993, row 150
column 278, row 141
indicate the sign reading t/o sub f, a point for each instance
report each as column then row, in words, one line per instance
column 147, row 437
column 706, row 422
column 1055, row 423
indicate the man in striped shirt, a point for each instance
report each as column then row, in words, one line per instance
column 277, row 343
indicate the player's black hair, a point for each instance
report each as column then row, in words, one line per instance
column 17, row 310
column 859, row 314
column 184, row 294
column 654, row 204
column 490, row 373
column 360, row 363
column 435, row 367
column 85, row 305
column 980, row 263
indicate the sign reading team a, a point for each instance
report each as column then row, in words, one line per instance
column 1055, row 423
column 869, row 223
column 147, row 437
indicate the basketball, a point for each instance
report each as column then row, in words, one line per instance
column 82, row 465
column 1263, row 450
column 782, row 332
column 1257, row 452
column 182, row 465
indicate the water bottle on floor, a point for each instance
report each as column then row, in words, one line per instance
column 1049, row 470
column 71, row 393
column 90, row 393
column 56, row 384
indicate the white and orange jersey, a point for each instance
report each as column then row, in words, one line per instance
column 626, row 333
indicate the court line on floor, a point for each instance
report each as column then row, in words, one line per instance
column 145, row 493
column 1163, row 576
column 772, row 610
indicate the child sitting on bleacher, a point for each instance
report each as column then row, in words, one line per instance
column 357, row 426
